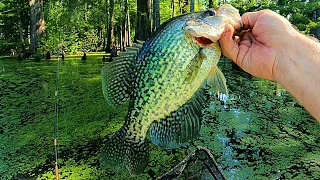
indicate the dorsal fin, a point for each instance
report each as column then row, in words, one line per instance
column 117, row 75
column 116, row 81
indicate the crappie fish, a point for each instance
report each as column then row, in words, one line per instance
column 163, row 82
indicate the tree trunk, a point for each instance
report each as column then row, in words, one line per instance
column 124, row 28
column 192, row 6
column 128, row 31
column 210, row 4
column 315, row 16
column 143, row 29
column 106, row 27
column 36, row 23
column 172, row 8
column 20, row 30
column 180, row 7
column 125, row 34
column 85, row 13
column 156, row 14
column 124, row 31
column 103, row 36
column 185, row 6
column 121, row 40
column 121, row 27
column 110, row 39
column 199, row 7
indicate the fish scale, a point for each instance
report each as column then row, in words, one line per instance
column 163, row 84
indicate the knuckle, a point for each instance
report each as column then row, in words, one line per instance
column 265, row 12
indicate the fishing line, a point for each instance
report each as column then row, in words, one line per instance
column 56, row 98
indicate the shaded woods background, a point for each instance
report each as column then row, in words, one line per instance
column 38, row 26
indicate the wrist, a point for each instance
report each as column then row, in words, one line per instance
column 292, row 54
column 298, row 71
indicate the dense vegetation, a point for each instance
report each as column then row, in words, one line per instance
column 260, row 132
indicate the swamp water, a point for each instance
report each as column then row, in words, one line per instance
column 258, row 132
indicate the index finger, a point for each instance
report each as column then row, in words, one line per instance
column 249, row 20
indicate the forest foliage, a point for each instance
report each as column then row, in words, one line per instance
column 89, row 25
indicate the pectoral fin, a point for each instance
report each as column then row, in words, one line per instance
column 217, row 81
column 193, row 67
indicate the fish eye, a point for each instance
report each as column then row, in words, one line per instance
column 210, row 13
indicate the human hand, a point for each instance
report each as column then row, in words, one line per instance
column 258, row 49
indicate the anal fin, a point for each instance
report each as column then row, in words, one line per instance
column 180, row 126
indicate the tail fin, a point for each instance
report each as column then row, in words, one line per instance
column 121, row 151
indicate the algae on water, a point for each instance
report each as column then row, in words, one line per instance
column 259, row 132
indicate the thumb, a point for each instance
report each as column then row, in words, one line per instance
column 229, row 47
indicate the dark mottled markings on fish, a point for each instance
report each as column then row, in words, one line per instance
column 163, row 85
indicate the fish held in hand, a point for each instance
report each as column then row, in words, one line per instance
column 163, row 82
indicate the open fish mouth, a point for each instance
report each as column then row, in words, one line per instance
column 207, row 28
column 200, row 33
column 203, row 41
column 205, row 34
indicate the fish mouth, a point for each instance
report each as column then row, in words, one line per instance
column 203, row 41
column 207, row 29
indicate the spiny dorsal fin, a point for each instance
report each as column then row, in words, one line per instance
column 180, row 126
column 133, row 49
column 116, row 75
column 131, row 54
column 140, row 42
column 116, row 81
column 137, row 45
